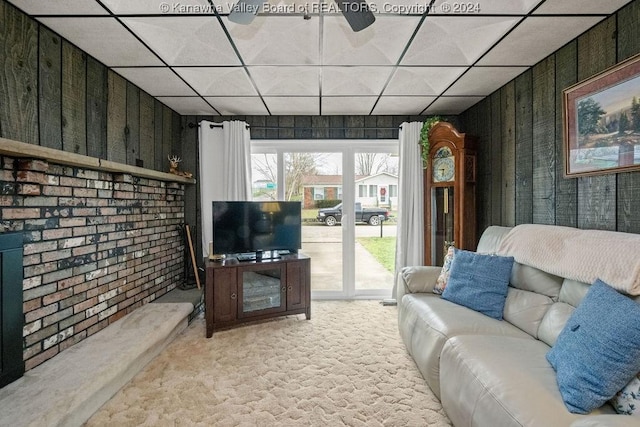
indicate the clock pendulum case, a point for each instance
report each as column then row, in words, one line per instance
column 450, row 192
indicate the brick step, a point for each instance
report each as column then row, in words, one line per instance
column 68, row 389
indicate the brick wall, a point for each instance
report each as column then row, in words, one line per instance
column 97, row 245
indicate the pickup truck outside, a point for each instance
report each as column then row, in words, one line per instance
column 372, row 216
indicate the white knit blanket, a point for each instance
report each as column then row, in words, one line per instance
column 584, row 255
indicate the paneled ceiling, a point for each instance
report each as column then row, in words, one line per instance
column 416, row 58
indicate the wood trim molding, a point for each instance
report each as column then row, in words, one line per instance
column 18, row 149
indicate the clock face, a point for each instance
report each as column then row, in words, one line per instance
column 443, row 169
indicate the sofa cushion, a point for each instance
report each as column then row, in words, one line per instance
column 526, row 309
column 502, row 381
column 532, row 279
column 573, row 291
column 443, row 278
column 553, row 322
column 427, row 321
column 598, row 351
column 491, row 238
column 479, row 282
column 415, row 279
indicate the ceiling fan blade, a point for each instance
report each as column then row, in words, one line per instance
column 357, row 13
column 245, row 11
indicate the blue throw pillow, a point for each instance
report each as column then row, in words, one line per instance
column 479, row 282
column 598, row 350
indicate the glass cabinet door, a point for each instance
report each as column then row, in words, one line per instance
column 443, row 226
column 262, row 289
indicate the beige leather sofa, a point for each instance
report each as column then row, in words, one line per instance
column 494, row 373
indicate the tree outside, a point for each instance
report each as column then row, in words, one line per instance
column 368, row 164
column 297, row 166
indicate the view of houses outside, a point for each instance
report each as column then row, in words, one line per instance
column 310, row 177
column 315, row 179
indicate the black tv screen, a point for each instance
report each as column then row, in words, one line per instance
column 256, row 226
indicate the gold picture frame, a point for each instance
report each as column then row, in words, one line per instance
column 601, row 118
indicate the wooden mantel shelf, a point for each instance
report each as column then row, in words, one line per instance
column 13, row 148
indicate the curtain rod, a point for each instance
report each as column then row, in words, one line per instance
column 316, row 128
column 191, row 125
column 212, row 125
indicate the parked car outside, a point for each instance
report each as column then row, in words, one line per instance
column 372, row 216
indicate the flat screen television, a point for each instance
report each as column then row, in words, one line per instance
column 243, row 227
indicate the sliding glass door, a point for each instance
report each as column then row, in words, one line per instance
column 347, row 190
column 315, row 178
column 375, row 245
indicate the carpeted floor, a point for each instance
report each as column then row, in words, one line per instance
column 346, row 366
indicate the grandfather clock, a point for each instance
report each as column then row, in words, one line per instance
column 450, row 192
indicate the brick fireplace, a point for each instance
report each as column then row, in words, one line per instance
column 97, row 245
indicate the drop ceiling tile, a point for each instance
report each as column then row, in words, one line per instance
column 453, row 105
column 304, row 105
column 393, row 105
column 338, row 105
column 354, row 80
column 186, row 105
column 536, row 38
column 380, row 44
column 60, row 7
column 485, row 7
column 150, row 7
column 156, row 81
column 482, row 81
column 303, row 81
column 193, row 40
column 241, row 105
column 442, row 40
column 104, row 39
column 580, row 6
column 218, row 81
column 422, row 80
column 277, row 40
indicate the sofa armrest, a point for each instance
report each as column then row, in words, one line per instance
column 417, row 279
column 608, row 421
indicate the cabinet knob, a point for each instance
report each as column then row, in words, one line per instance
column 289, row 287
column 233, row 296
column 284, row 289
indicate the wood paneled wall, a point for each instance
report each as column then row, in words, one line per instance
column 521, row 159
column 55, row 95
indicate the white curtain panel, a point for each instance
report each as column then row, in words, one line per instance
column 237, row 161
column 225, row 168
column 410, row 240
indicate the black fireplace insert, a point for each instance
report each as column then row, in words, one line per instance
column 11, row 363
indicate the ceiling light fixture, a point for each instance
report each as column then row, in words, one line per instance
column 357, row 13
column 245, row 11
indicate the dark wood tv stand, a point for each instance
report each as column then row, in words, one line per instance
column 238, row 292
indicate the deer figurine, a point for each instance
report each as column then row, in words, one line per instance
column 173, row 167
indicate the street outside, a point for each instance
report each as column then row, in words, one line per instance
column 324, row 245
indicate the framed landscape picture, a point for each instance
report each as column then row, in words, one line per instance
column 602, row 122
